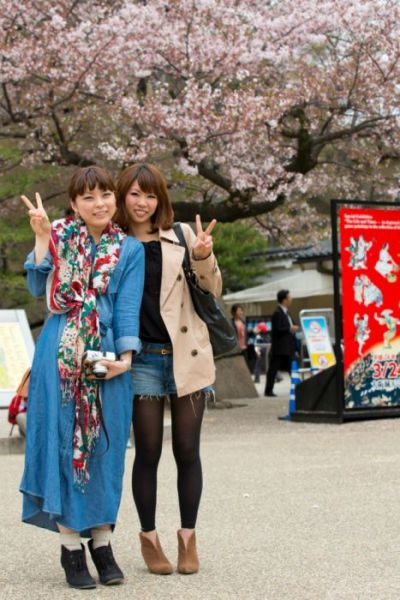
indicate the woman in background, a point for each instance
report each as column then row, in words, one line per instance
column 245, row 344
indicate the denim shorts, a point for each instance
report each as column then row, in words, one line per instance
column 153, row 374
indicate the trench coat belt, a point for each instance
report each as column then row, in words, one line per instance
column 163, row 351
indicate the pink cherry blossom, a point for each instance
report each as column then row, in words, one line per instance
column 266, row 102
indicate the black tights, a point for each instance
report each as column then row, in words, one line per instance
column 187, row 416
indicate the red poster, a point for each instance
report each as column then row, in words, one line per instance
column 370, row 264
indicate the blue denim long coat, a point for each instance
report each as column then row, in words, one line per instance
column 49, row 493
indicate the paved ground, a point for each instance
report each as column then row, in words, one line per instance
column 289, row 511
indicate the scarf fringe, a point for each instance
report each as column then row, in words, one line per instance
column 81, row 478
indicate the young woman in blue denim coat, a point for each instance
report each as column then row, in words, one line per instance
column 77, row 426
column 176, row 360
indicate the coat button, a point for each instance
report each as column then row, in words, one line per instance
column 179, row 277
column 194, row 353
column 184, row 329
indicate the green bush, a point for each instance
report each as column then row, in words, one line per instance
column 233, row 245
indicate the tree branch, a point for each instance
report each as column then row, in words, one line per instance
column 211, row 174
column 70, row 157
column 342, row 133
column 8, row 103
column 13, row 136
column 76, row 85
column 224, row 211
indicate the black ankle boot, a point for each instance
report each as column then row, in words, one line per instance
column 108, row 570
column 75, row 567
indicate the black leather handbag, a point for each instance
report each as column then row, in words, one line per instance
column 220, row 329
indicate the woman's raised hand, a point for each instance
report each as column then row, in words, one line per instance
column 204, row 242
column 38, row 217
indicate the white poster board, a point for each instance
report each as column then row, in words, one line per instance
column 16, row 352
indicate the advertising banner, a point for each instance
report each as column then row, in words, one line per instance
column 370, row 266
column 318, row 341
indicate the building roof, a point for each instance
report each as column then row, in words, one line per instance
column 321, row 250
column 302, row 284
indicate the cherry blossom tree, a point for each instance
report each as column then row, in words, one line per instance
column 254, row 102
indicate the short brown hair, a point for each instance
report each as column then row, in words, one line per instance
column 150, row 181
column 87, row 178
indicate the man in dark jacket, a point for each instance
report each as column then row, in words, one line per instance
column 283, row 341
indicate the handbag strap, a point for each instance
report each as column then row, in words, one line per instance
column 177, row 227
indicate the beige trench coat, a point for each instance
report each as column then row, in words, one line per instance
column 193, row 360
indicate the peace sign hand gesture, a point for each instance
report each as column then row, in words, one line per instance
column 204, row 242
column 40, row 223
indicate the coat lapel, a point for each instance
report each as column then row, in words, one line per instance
column 172, row 259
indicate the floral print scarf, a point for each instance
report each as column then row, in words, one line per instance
column 77, row 279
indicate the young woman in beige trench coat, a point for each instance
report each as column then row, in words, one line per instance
column 176, row 361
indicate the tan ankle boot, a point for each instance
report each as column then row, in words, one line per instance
column 154, row 556
column 188, row 561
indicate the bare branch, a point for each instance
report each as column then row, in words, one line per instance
column 13, row 135
column 8, row 102
column 223, row 211
column 342, row 133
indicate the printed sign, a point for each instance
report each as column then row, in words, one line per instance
column 16, row 352
column 318, row 342
column 370, row 264
column 14, row 359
